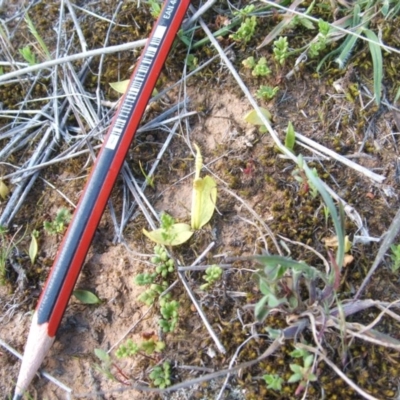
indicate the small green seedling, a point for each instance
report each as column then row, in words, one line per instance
column 151, row 346
column 307, row 184
column 212, row 275
column 274, row 382
column 34, row 247
column 170, row 233
column 105, row 363
column 395, row 257
column 267, row 92
column 261, row 68
column 281, row 50
column 28, row 55
column 204, row 197
column 192, row 62
column 322, row 39
column 149, row 179
column 169, row 311
column 148, row 347
column 252, row 118
column 128, row 349
column 150, row 295
column 86, row 297
column 164, row 264
column 246, row 30
column 59, row 224
column 302, row 374
column 145, row 279
column 155, row 8
column 35, row 33
column 161, row 375
column 290, row 138
column 245, row 11
column 249, row 63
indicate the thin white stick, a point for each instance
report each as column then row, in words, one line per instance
column 338, row 371
column 129, row 330
column 338, row 157
column 91, row 53
column 43, row 373
column 217, row 342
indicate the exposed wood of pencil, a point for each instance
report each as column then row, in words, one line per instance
column 37, row 346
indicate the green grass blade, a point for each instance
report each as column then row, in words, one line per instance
column 332, row 210
column 377, row 62
column 39, row 39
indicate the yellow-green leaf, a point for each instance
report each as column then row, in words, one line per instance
column 120, row 86
column 4, row 190
column 204, row 199
column 290, row 137
column 252, row 117
column 198, row 164
column 86, row 297
column 33, row 248
column 176, row 235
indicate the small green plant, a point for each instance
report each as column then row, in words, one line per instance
column 151, row 346
column 192, row 62
column 290, row 138
column 249, row 62
column 261, row 68
column 302, row 374
column 86, row 296
column 281, row 50
column 145, row 279
column 307, row 185
column 321, row 41
column 245, row 11
column 149, row 179
column 395, row 256
column 127, row 350
column 155, row 8
column 59, row 224
column 204, row 197
column 150, row 295
column 246, row 30
column 252, row 118
column 161, row 375
column 148, row 347
column 28, row 55
column 267, row 92
column 212, row 275
column 35, row 33
column 273, row 382
column 105, row 363
column 164, row 265
column 169, row 311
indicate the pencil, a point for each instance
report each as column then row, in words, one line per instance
column 76, row 242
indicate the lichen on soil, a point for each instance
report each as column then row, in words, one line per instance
column 243, row 160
